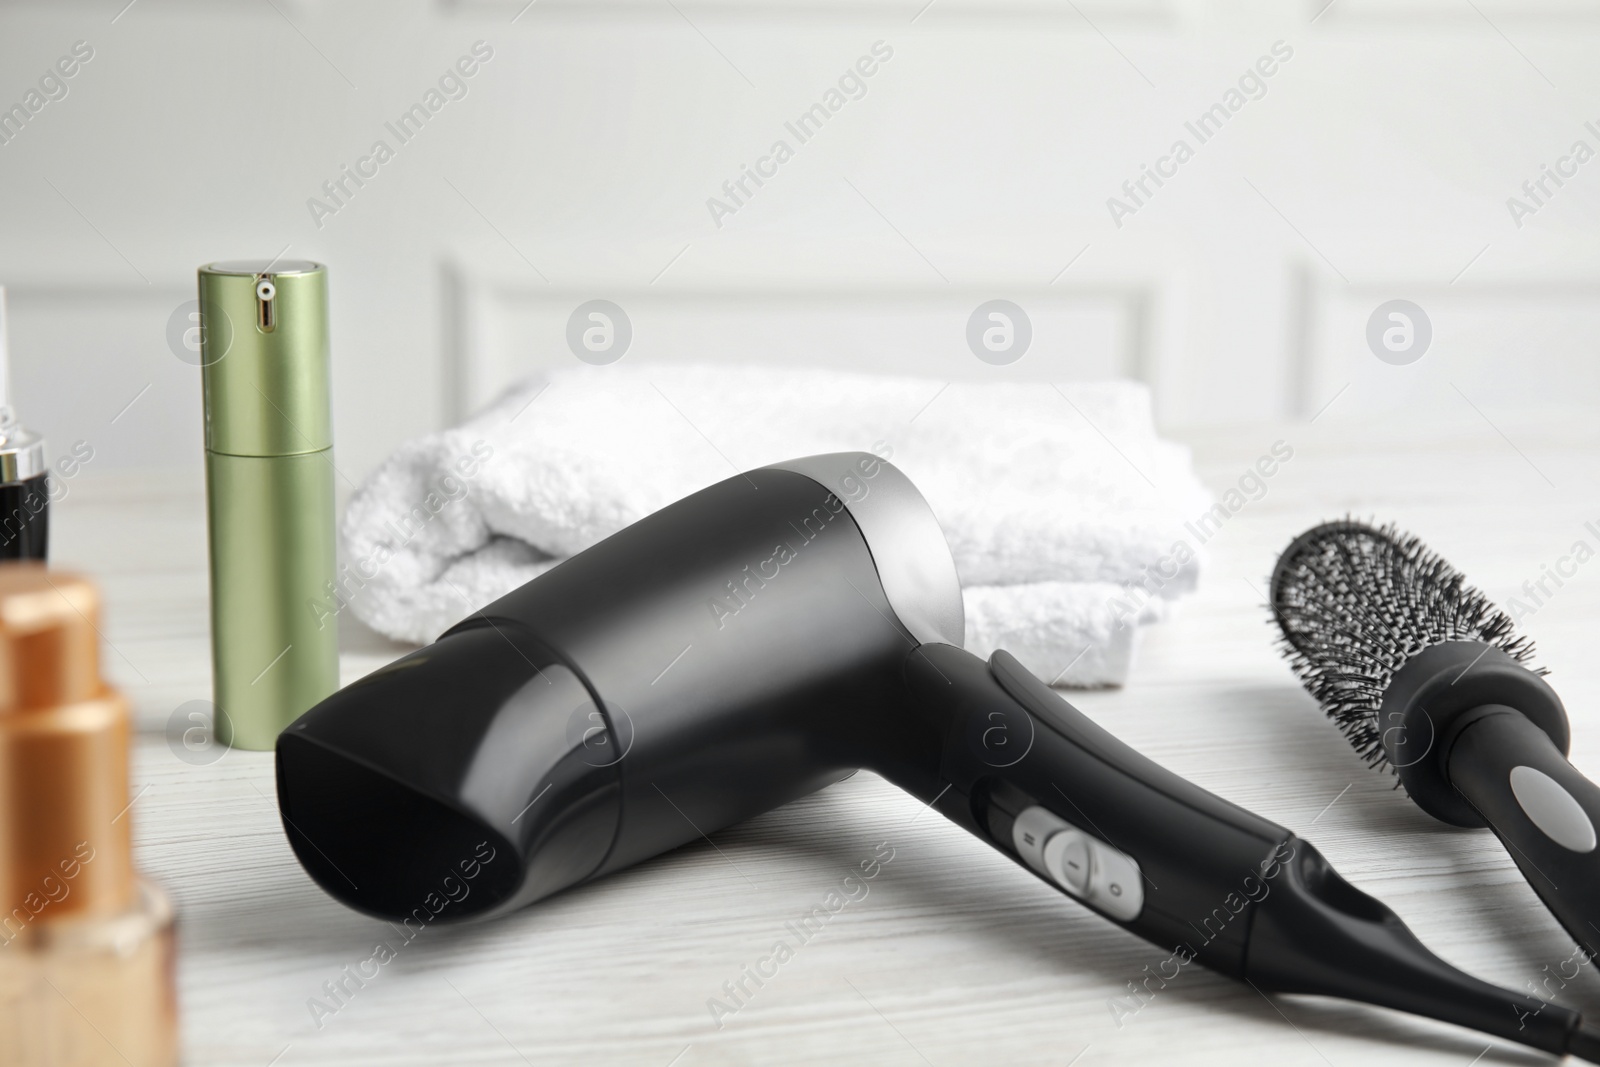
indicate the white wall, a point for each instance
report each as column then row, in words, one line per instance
column 977, row 165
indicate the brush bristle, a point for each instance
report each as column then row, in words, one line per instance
column 1356, row 602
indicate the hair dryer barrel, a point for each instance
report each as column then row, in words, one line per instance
column 730, row 653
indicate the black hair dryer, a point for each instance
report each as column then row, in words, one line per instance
column 757, row 641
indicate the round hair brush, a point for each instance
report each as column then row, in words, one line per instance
column 1424, row 674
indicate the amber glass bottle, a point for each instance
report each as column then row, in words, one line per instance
column 86, row 946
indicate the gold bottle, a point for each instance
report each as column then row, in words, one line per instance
column 86, row 946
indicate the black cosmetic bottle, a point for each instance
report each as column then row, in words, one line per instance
column 24, row 495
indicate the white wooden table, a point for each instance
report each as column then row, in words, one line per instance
column 955, row 956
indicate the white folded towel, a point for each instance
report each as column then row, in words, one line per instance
column 1061, row 505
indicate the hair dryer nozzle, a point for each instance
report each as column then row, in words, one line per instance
column 467, row 778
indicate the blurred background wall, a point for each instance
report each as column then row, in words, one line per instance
column 1340, row 155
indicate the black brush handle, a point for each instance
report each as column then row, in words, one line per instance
column 1543, row 809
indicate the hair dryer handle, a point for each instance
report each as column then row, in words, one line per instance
column 1202, row 878
column 1108, row 826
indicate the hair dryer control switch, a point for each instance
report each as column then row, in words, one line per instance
column 1067, row 857
column 1080, row 863
column 1033, row 827
column 1116, row 886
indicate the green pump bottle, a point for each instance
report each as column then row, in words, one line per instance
column 269, row 493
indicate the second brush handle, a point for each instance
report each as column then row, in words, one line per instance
column 1543, row 809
